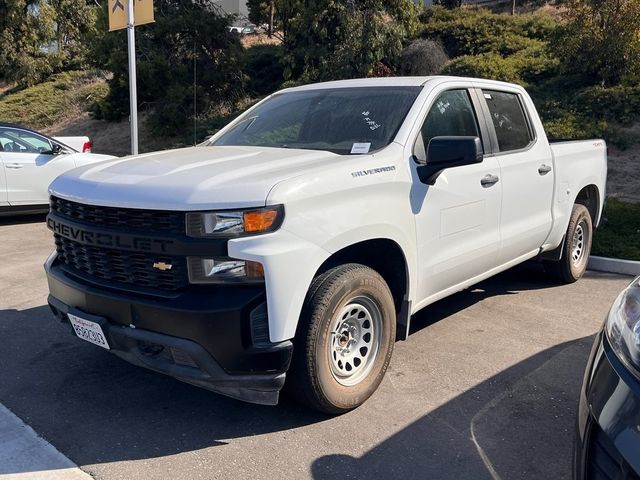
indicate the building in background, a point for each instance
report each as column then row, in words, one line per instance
column 234, row 7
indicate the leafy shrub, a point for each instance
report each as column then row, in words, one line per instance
column 601, row 41
column 485, row 65
column 619, row 237
column 263, row 66
column 423, row 57
column 620, row 104
column 472, row 32
column 524, row 67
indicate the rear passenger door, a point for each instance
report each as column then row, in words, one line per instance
column 526, row 173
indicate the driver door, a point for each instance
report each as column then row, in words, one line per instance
column 458, row 217
column 29, row 166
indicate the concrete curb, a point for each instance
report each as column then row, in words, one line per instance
column 26, row 456
column 614, row 265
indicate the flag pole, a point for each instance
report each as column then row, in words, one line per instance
column 133, row 96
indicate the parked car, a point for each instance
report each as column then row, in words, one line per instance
column 320, row 219
column 608, row 439
column 79, row 144
column 29, row 161
column 244, row 29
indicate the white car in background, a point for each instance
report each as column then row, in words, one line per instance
column 30, row 161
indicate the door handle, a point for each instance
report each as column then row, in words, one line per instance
column 14, row 165
column 544, row 169
column 489, row 180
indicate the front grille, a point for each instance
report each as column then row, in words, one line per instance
column 156, row 221
column 604, row 460
column 123, row 267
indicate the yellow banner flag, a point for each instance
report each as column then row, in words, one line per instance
column 143, row 13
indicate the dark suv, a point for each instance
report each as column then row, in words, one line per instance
column 608, row 440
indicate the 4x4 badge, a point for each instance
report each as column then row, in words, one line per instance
column 162, row 266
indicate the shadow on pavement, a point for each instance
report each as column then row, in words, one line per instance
column 23, row 219
column 527, row 276
column 96, row 408
column 518, row 424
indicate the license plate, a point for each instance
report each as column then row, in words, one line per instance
column 89, row 331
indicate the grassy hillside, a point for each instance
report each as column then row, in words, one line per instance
column 63, row 96
column 61, row 106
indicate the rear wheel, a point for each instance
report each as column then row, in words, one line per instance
column 576, row 247
column 345, row 339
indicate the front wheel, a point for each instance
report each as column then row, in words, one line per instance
column 576, row 247
column 345, row 339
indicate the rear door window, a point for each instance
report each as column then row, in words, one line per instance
column 509, row 120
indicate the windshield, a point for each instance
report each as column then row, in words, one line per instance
column 340, row 120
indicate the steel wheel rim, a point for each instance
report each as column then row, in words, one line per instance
column 579, row 242
column 354, row 341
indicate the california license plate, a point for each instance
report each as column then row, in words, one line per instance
column 89, row 331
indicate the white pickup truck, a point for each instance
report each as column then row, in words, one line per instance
column 301, row 238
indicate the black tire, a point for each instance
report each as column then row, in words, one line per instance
column 569, row 268
column 322, row 382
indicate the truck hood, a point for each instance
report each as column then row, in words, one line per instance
column 194, row 178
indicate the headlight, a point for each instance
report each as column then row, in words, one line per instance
column 224, row 270
column 234, row 223
column 623, row 326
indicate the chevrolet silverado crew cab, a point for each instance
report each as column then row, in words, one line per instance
column 298, row 241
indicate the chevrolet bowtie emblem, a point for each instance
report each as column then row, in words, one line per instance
column 162, row 266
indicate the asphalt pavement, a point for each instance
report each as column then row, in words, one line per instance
column 486, row 387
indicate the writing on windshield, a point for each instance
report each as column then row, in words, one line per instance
column 341, row 120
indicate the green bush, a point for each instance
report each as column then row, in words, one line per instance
column 263, row 66
column 619, row 237
column 525, row 49
column 620, row 104
column 484, row 65
column 473, row 32
column 526, row 67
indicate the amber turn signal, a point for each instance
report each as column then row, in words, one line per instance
column 263, row 220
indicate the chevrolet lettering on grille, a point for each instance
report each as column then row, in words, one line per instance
column 105, row 239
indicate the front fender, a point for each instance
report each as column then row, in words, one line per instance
column 290, row 263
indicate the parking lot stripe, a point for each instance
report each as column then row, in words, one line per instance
column 26, row 456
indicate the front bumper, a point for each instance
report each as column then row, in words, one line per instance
column 608, row 437
column 213, row 337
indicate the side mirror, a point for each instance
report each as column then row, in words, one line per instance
column 449, row 152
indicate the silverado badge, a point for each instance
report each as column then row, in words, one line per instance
column 162, row 266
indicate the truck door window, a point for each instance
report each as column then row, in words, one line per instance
column 509, row 120
column 450, row 115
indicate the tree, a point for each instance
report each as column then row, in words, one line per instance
column 329, row 39
column 423, row 57
column 276, row 13
column 189, row 44
column 40, row 37
column 601, row 41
